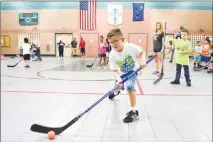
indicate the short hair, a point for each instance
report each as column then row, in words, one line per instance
column 198, row 42
column 26, row 40
column 115, row 32
column 185, row 31
column 182, row 27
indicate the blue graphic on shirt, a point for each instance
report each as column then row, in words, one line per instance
column 127, row 64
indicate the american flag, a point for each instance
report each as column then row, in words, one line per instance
column 87, row 15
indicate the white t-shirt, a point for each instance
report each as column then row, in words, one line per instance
column 126, row 60
column 26, row 48
column 198, row 49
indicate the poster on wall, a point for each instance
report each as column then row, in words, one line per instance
column 115, row 14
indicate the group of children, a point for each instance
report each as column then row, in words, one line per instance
column 123, row 62
column 28, row 50
column 204, row 55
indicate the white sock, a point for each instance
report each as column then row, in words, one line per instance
column 133, row 109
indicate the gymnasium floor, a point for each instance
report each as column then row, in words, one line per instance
column 54, row 91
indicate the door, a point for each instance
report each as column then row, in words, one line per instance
column 65, row 38
column 92, row 43
column 140, row 39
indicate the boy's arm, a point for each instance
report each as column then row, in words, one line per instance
column 117, row 75
column 188, row 49
column 114, row 68
column 142, row 60
column 139, row 51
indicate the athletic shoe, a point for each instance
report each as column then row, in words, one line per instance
column 210, row 71
column 155, row 72
column 175, row 82
column 188, row 83
column 131, row 116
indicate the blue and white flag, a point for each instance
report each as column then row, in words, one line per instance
column 138, row 11
column 115, row 12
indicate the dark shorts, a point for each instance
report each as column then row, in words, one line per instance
column 102, row 55
column 157, row 49
column 205, row 59
column 26, row 57
column 82, row 49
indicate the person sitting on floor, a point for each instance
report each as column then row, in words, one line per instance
column 36, row 56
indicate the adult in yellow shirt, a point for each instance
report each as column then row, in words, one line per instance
column 181, row 57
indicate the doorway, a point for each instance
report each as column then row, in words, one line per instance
column 66, row 38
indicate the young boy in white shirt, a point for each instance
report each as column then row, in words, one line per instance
column 26, row 52
column 122, row 60
column 198, row 50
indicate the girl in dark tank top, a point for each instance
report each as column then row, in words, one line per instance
column 157, row 45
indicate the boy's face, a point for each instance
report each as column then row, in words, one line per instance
column 116, row 43
column 184, row 35
column 199, row 43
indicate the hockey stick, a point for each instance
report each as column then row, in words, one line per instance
column 162, row 67
column 15, row 64
column 58, row 130
column 92, row 63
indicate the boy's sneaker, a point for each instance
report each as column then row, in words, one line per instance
column 131, row 116
column 175, row 82
column 155, row 72
column 112, row 96
column 188, row 84
column 210, row 71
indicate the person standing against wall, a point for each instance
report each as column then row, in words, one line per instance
column 157, row 45
column 82, row 47
column 61, row 48
column 74, row 47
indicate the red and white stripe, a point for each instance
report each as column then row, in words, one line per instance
column 88, row 17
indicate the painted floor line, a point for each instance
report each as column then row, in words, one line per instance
column 139, row 87
column 86, row 93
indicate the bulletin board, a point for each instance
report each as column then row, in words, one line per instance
column 5, row 41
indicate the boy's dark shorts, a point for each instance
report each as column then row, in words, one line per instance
column 82, row 49
column 26, row 56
